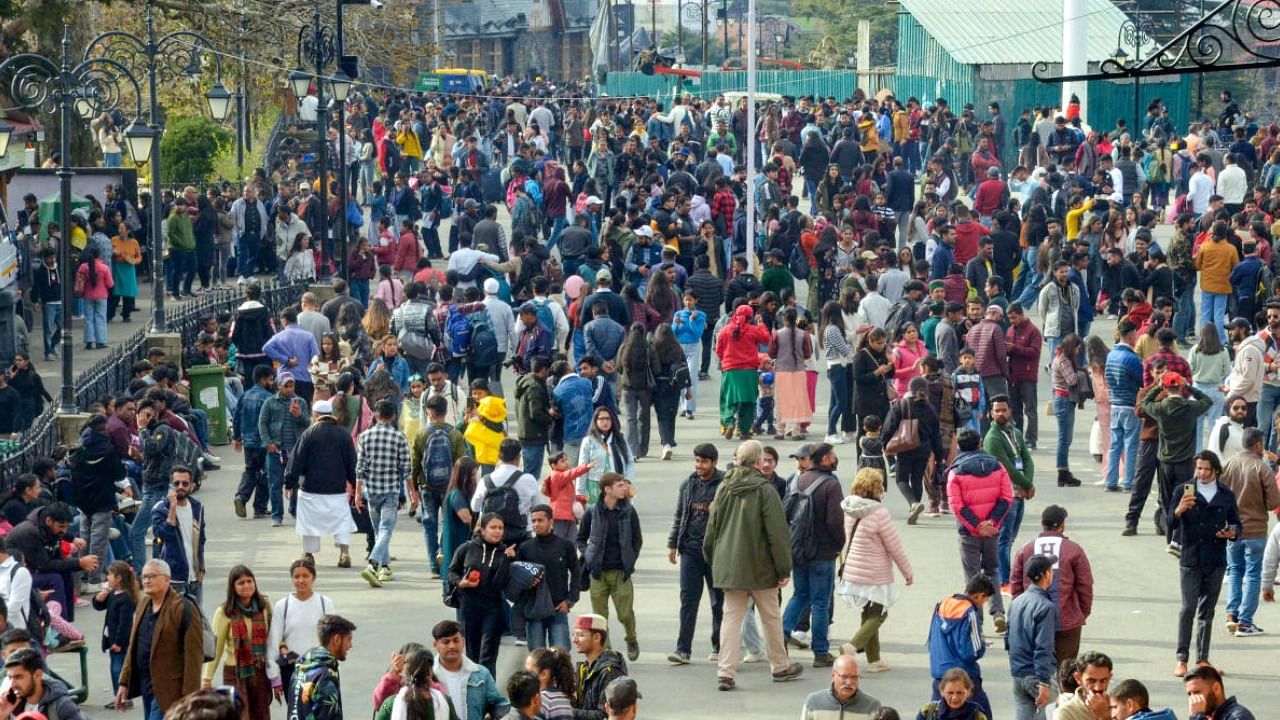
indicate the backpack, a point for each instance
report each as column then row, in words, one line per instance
column 1156, row 174
column 553, row 271
column 208, row 642
column 484, row 342
column 505, row 501
column 799, row 263
column 799, row 510
column 38, row 613
column 963, row 138
column 457, row 330
column 902, row 312
column 545, row 317
column 416, row 345
column 437, row 458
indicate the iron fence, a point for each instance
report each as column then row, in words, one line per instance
column 114, row 372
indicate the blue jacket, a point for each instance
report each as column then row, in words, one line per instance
column 293, row 342
column 168, row 540
column 1033, row 617
column 940, row 263
column 689, row 326
column 250, row 407
column 955, row 637
column 483, row 698
column 573, row 398
column 1229, row 710
column 639, row 256
column 399, row 369
column 1165, row 714
column 1124, row 376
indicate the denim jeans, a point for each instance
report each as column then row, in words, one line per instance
column 813, row 584
column 1008, row 535
column 548, row 632
column 840, row 415
column 382, row 513
column 275, row 484
column 95, row 322
column 1244, row 573
column 695, row 574
column 1213, row 307
column 246, row 255
column 1025, row 691
column 531, row 457
column 1268, row 403
column 150, row 708
column 557, row 227
column 51, row 320
column 432, row 501
column 1184, row 314
column 1065, row 411
column 693, row 356
column 142, row 523
column 1205, row 422
column 1125, row 426
column 112, row 160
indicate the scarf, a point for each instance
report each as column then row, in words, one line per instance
column 250, row 647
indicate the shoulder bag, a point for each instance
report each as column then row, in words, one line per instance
column 907, row 435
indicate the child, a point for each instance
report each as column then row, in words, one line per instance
column 870, row 446
column 411, row 419
column 764, row 405
column 968, row 384
column 566, row 505
column 119, row 600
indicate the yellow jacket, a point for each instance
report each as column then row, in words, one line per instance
column 870, row 136
column 901, row 126
column 409, row 143
column 487, row 433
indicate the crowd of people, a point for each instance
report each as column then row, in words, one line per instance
column 602, row 303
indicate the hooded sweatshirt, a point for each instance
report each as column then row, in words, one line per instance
column 251, row 330
column 1177, row 417
column 747, row 543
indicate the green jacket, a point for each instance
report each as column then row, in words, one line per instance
column 533, row 410
column 996, row 444
column 1176, row 416
column 182, row 236
column 776, row 278
column 748, row 542
column 272, row 417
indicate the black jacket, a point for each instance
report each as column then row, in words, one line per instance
column 251, row 329
column 489, row 560
column 693, row 509
column 710, row 292
column 46, row 284
column 593, row 678
column 118, row 624
column 921, row 410
column 324, row 461
column 740, row 286
column 1200, row 548
column 594, row 531
column 38, row 548
column 619, row 311
column 559, row 558
column 95, row 468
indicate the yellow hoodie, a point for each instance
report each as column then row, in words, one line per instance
column 487, row 433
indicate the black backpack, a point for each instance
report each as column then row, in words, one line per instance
column 505, row 501
column 902, row 312
column 799, row 510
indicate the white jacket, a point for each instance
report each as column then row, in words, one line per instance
column 400, row 709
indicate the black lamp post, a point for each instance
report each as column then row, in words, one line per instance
column 93, row 86
column 1135, row 34
column 165, row 58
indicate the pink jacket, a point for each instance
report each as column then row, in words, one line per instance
column 904, row 357
column 978, row 488
column 560, row 489
column 102, row 288
column 875, row 547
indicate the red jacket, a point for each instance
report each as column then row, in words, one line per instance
column 1023, row 345
column 741, row 352
column 989, row 351
column 407, row 252
column 978, row 488
column 1072, row 577
column 990, row 193
column 967, row 234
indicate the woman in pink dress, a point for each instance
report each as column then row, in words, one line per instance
column 1096, row 350
column 908, row 353
column 790, row 346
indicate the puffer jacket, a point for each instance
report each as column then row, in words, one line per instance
column 741, row 352
column 978, row 488
column 1124, row 376
column 875, row 547
column 1072, row 587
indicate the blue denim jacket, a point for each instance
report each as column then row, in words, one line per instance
column 245, row 423
column 482, row 692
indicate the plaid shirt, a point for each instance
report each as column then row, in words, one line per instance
column 1176, row 364
column 722, row 205
column 382, row 459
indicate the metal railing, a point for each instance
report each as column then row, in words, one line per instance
column 113, row 373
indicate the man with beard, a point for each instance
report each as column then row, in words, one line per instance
column 684, row 547
column 1206, row 697
column 842, row 698
column 177, row 523
column 33, row 692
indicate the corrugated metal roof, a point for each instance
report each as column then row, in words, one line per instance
column 994, row 32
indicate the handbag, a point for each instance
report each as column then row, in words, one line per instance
column 907, row 435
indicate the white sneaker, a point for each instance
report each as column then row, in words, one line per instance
column 211, row 458
column 800, row 636
column 753, row 657
column 834, row 439
column 667, row 451
column 241, row 281
column 878, row 666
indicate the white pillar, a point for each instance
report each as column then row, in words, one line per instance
column 751, row 136
column 1075, row 58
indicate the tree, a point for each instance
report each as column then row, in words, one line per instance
column 188, row 149
column 840, row 21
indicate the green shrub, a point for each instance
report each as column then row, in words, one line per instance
column 189, row 147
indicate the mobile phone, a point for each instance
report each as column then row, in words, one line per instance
column 473, row 576
column 1188, row 490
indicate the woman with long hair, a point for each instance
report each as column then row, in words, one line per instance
column 828, row 187
column 1096, row 351
column 833, row 341
column 377, row 320
column 241, row 626
column 604, row 445
column 636, row 382
column 351, row 331
column 417, row 699
column 790, row 347
column 558, row 680
column 641, row 312
column 300, row 266
column 94, row 278
column 24, row 378
column 328, row 366
column 661, row 296
column 908, row 353
column 390, row 288
column 912, row 464
column 458, row 520
column 479, row 571
column 1065, row 369
column 1210, row 365
column 736, row 346
column 873, row 548
column 672, row 378
column 872, row 373
column 126, row 254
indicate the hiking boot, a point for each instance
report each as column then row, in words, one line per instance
column 678, row 658
column 633, row 650
column 790, row 672
column 1001, row 624
column 240, row 509
column 370, row 575
column 824, row 660
column 1066, row 479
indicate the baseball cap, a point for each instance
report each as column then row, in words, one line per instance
column 304, row 185
column 591, row 621
column 1172, row 380
column 621, row 693
column 1239, row 323
column 284, row 378
column 594, row 200
column 603, row 275
column 803, row 452
column 470, row 203
column 1038, row 565
column 644, row 231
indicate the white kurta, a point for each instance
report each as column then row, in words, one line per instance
column 321, row 515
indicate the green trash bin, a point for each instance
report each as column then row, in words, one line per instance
column 209, row 393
